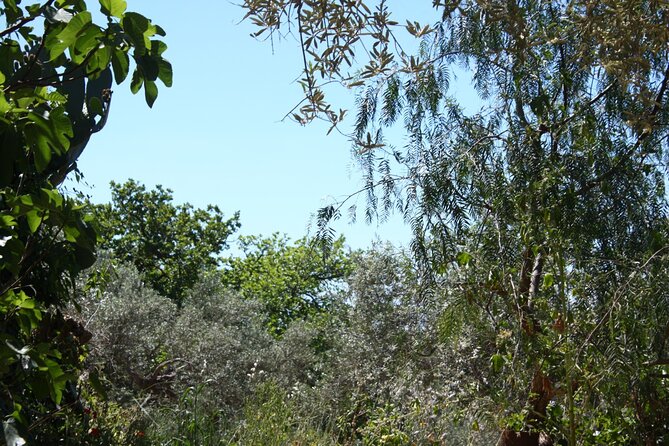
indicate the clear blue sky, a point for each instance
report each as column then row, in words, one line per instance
column 216, row 136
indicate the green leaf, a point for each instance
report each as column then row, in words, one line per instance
column 47, row 135
column 33, row 9
column 149, row 67
column 34, row 218
column 94, row 379
column 12, row 252
column 52, row 197
column 497, row 362
column 120, row 64
column 114, row 8
column 549, row 280
column 4, row 105
column 40, row 144
column 56, row 391
column 158, row 47
column 7, row 221
column 100, row 60
column 61, row 129
column 165, row 72
column 150, row 92
column 72, row 233
column 463, row 258
column 136, row 82
column 68, row 36
column 139, row 30
column 27, row 201
column 87, row 42
column 26, row 303
column 85, row 257
column 95, row 107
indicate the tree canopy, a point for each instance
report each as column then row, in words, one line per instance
column 535, row 308
column 171, row 245
column 292, row 280
column 57, row 67
column 542, row 209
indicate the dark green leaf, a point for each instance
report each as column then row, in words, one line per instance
column 165, row 72
column 94, row 379
column 120, row 64
column 139, row 29
column 150, row 92
column 158, row 47
column 85, row 257
column 136, row 82
column 149, row 67
column 497, row 362
column 40, row 144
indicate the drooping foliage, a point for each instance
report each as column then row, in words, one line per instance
column 171, row 245
column 57, row 67
column 541, row 209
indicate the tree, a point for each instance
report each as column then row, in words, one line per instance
column 171, row 245
column 145, row 346
column 293, row 281
column 56, row 73
column 543, row 209
column 388, row 374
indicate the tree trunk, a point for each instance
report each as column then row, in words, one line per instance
column 512, row 438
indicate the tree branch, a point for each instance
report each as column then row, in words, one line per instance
column 642, row 137
column 26, row 20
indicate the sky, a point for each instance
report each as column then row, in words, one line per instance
column 217, row 136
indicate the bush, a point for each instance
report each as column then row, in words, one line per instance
column 372, row 370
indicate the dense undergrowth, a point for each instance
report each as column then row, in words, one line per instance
column 372, row 370
column 534, row 303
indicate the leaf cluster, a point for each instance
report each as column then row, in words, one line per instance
column 56, row 71
column 170, row 244
column 294, row 281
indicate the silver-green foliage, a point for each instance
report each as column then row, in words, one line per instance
column 149, row 346
column 388, row 378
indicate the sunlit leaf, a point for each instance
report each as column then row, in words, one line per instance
column 114, row 8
